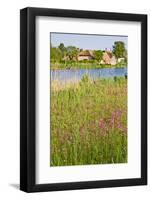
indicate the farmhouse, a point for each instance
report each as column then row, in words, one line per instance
column 108, row 58
column 85, row 55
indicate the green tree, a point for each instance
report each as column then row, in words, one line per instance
column 72, row 52
column 119, row 49
column 98, row 54
column 62, row 49
column 55, row 54
column 125, row 55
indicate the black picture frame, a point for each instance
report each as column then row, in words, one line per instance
column 28, row 99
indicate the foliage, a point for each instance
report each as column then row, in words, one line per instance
column 91, row 64
column 119, row 49
column 85, row 79
column 55, row 54
column 98, row 54
column 72, row 52
column 62, row 49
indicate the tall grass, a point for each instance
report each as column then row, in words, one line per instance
column 89, row 122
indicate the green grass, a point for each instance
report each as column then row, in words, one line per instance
column 89, row 123
column 85, row 65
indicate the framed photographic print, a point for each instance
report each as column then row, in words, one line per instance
column 83, row 99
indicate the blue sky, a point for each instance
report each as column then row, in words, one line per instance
column 85, row 41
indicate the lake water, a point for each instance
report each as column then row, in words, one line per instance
column 77, row 74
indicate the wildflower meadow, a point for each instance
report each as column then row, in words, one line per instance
column 89, row 122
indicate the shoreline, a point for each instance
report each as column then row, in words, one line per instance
column 74, row 69
column 57, row 85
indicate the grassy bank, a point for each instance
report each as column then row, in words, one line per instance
column 86, row 65
column 88, row 123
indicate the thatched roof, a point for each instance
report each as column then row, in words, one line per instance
column 85, row 53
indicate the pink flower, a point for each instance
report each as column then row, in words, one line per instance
column 115, row 121
column 102, row 124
